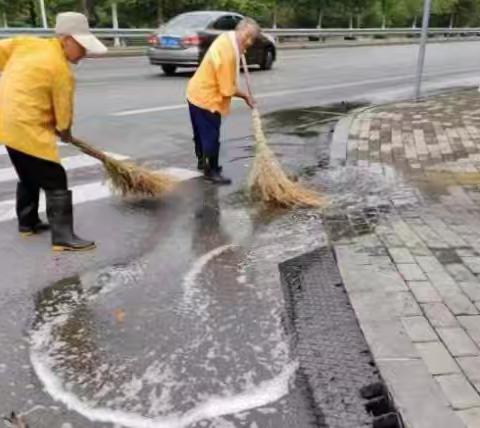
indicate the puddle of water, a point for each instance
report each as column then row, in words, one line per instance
column 196, row 342
column 307, row 122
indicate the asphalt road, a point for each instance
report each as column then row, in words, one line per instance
column 174, row 307
column 130, row 107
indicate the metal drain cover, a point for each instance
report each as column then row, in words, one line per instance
column 334, row 357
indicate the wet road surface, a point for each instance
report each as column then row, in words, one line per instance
column 177, row 317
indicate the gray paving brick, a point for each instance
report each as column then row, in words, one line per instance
column 472, row 326
column 448, row 289
column 458, row 303
column 458, row 342
column 411, row 272
column 439, row 315
column 437, row 358
column 460, row 273
column 429, row 237
column 424, row 292
column 471, row 368
column 441, row 279
column 459, row 391
column 470, row 417
column 401, row 255
column 419, row 329
column 473, row 263
column 466, row 252
column 407, row 235
column 471, row 288
column 442, row 229
column 428, row 263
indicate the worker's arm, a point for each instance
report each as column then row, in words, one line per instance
column 227, row 79
column 6, row 49
column 62, row 98
column 247, row 98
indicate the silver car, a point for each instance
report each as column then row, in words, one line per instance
column 184, row 40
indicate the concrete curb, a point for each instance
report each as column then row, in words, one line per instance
column 341, row 132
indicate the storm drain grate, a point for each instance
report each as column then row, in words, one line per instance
column 333, row 355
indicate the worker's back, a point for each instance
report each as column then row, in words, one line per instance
column 36, row 86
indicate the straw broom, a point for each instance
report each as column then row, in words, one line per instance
column 267, row 182
column 126, row 178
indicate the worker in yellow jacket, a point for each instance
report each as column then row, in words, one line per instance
column 36, row 106
column 210, row 92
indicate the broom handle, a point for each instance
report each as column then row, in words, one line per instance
column 88, row 149
column 248, row 80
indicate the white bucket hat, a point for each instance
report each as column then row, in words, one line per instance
column 76, row 25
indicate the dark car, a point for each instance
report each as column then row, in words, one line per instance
column 184, row 40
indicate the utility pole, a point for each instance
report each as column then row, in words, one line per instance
column 423, row 45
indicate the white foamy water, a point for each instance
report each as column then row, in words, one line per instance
column 265, row 393
column 165, row 379
column 190, row 278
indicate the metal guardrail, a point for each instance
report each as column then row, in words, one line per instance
column 281, row 32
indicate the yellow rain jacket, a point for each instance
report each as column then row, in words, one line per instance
column 215, row 82
column 36, row 95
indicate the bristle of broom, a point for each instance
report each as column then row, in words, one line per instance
column 269, row 184
column 129, row 179
column 126, row 178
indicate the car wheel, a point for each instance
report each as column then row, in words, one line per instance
column 267, row 60
column 168, row 69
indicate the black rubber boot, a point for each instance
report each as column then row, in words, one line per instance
column 29, row 222
column 60, row 216
column 213, row 173
column 201, row 165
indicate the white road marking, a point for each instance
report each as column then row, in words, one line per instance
column 182, row 174
column 302, row 90
column 89, row 192
column 69, row 163
column 150, row 110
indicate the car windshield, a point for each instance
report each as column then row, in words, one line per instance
column 189, row 21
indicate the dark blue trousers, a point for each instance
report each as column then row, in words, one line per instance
column 206, row 131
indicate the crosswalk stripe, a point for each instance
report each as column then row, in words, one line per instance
column 69, row 163
column 90, row 192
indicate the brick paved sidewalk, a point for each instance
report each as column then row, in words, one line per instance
column 413, row 273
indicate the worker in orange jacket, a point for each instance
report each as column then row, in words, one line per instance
column 210, row 92
column 36, row 106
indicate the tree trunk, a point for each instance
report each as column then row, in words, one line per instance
column 359, row 20
column 84, row 7
column 320, row 19
column 32, row 13
column 452, row 20
column 414, row 23
column 160, row 12
column 88, row 9
column 350, row 24
column 5, row 20
column 384, row 21
column 275, row 16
